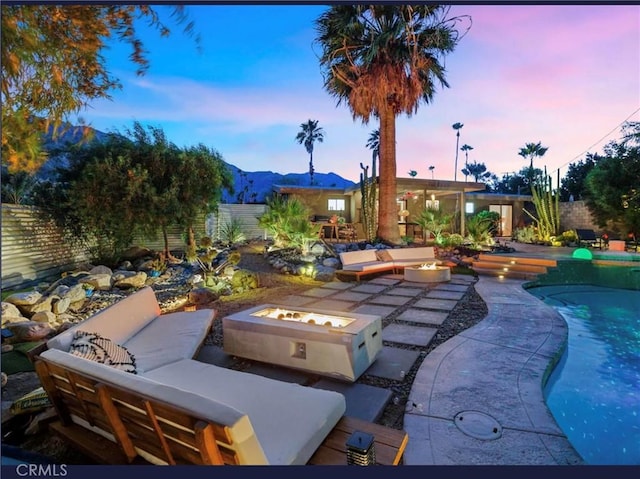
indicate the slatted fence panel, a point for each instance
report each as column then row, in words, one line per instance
column 32, row 249
column 176, row 237
column 248, row 215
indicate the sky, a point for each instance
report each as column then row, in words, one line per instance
column 567, row 76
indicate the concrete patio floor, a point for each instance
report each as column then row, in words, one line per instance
column 476, row 399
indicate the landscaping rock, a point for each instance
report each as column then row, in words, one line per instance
column 130, row 279
column 9, row 311
column 24, row 299
column 101, row 282
column 331, row 263
column 60, row 305
column 101, row 270
column 324, row 273
column 202, row 296
column 44, row 317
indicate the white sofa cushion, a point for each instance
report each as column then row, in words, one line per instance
column 170, row 337
column 368, row 266
column 424, row 253
column 118, row 322
column 360, row 256
column 238, row 423
column 290, row 420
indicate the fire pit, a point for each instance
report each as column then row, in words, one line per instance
column 329, row 343
column 427, row 273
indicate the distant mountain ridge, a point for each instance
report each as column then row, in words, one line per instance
column 249, row 186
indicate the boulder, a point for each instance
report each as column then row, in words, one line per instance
column 131, row 280
column 24, row 299
column 136, row 252
column 60, row 305
column 331, row 263
column 324, row 273
column 10, row 311
column 44, row 317
column 100, row 282
column 101, row 270
column 202, row 296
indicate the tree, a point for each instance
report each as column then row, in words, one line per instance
column 52, row 67
column 466, row 148
column 573, row 183
column 373, row 143
column 477, row 170
column 412, row 173
column 309, row 133
column 382, row 60
column 531, row 151
column 457, row 127
column 612, row 187
column 431, row 168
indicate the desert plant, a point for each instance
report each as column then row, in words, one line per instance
column 547, row 216
column 287, row 222
column 434, row 221
column 231, row 231
column 369, row 190
column 569, row 236
column 453, row 239
column 479, row 231
column 526, row 235
column 494, row 217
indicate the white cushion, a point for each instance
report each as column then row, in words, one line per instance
column 368, row 266
column 419, row 254
column 118, row 322
column 170, row 337
column 361, row 256
column 290, row 420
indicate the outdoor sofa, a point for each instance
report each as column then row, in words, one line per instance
column 369, row 261
column 160, row 406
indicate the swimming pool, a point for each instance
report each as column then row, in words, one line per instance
column 594, row 391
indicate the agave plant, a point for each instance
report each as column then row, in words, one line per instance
column 231, row 231
column 479, row 231
column 434, row 221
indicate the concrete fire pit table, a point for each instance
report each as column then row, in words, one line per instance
column 427, row 273
column 330, row 343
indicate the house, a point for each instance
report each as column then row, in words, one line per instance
column 414, row 194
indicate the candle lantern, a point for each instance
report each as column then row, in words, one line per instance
column 361, row 450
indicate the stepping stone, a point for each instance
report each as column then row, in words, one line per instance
column 294, row 300
column 211, row 354
column 405, row 334
column 390, row 300
column 445, row 294
column 385, row 280
column 462, row 278
column 331, row 304
column 393, row 363
column 369, row 288
column 452, row 287
column 351, row 296
column 423, row 316
column 363, row 401
column 375, row 309
column 339, row 285
column 319, row 292
column 404, row 291
column 438, row 304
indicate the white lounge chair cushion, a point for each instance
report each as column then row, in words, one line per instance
column 290, row 420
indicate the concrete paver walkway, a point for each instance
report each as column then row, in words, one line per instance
column 477, row 398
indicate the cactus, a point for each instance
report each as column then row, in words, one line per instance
column 547, row 210
column 369, row 201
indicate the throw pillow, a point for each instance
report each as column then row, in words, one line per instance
column 94, row 347
column 383, row 255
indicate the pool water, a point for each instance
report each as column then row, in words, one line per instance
column 594, row 392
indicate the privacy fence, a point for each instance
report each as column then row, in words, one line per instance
column 35, row 250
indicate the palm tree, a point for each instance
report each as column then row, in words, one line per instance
column 412, row 173
column 457, row 127
column 531, row 151
column 466, row 149
column 309, row 133
column 477, row 170
column 431, row 168
column 373, row 143
column 382, row 60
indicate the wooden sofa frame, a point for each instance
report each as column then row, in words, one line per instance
column 140, row 424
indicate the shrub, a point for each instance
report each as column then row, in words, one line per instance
column 231, row 231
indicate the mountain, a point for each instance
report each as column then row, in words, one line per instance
column 249, row 186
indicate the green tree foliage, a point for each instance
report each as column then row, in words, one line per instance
column 52, row 66
column 612, row 186
column 530, row 151
column 573, row 183
column 516, row 183
column 434, row 221
column 309, row 133
column 287, row 222
column 477, row 170
column 17, row 187
column 131, row 184
column 383, row 60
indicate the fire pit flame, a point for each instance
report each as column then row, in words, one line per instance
column 428, row 265
column 317, row 319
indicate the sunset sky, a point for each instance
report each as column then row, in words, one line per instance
column 567, row 76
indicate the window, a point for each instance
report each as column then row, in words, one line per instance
column 468, row 208
column 335, row 204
